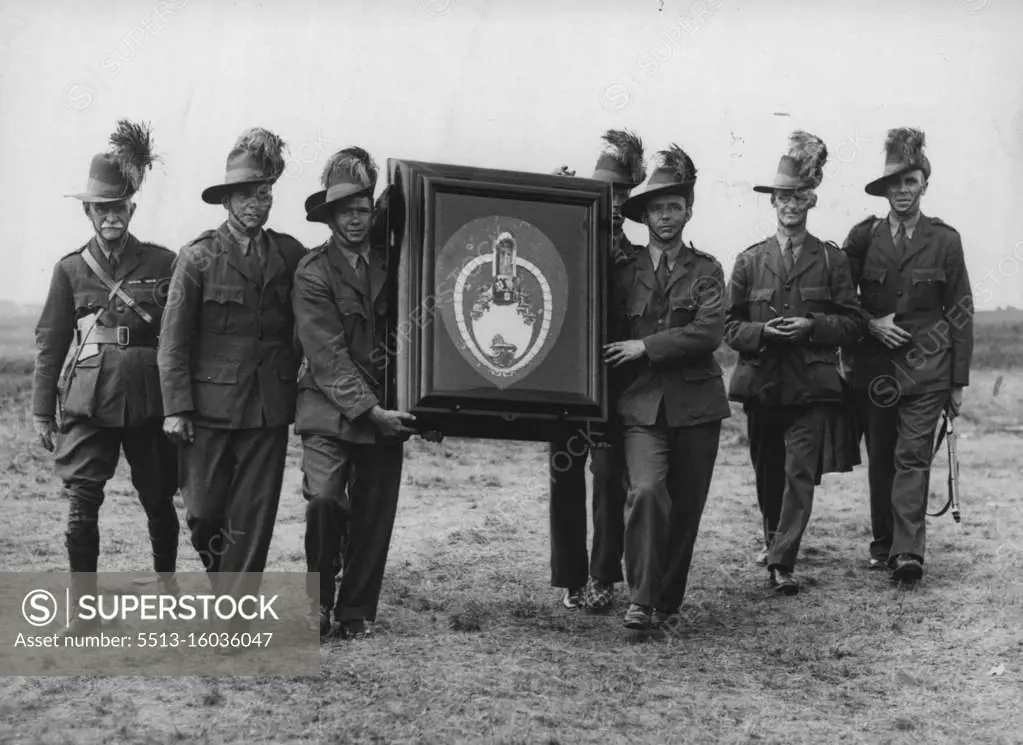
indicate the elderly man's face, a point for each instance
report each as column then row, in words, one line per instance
column 904, row 192
column 351, row 219
column 250, row 205
column 110, row 219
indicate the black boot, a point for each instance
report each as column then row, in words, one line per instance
column 83, row 583
column 82, row 542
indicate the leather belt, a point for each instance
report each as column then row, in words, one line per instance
column 122, row 336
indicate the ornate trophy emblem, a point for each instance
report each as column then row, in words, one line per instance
column 508, row 293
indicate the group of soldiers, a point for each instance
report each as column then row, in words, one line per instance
column 197, row 364
column 872, row 340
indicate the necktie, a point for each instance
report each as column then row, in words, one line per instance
column 662, row 271
column 362, row 270
column 786, row 254
column 900, row 241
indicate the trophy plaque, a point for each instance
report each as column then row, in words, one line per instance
column 500, row 302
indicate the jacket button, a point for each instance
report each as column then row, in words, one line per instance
column 785, row 306
column 899, row 293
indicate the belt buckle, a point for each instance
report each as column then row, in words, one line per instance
column 123, row 336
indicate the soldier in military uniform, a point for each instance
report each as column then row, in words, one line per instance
column 352, row 446
column 670, row 319
column 229, row 364
column 105, row 304
column 915, row 359
column 791, row 303
column 621, row 164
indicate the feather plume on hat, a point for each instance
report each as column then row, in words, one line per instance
column 675, row 159
column 353, row 164
column 904, row 151
column 132, row 146
column 905, row 143
column 626, row 147
column 810, row 152
column 267, row 147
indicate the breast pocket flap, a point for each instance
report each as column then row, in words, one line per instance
column 814, row 293
column 224, row 293
column 927, row 276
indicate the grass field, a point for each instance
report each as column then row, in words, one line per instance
column 473, row 645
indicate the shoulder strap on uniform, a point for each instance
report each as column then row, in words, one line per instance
column 114, row 287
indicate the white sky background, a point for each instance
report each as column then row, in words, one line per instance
column 524, row 85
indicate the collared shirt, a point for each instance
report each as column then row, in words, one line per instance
column 108, row 252
column 797, row 243
column 352, row 256
column 893, row 224
column 672, row 256
column 245, row 241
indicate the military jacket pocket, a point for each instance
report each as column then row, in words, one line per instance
column 350, row 306
column 811, row 294
column 759, row 300
column 819, row 355
column 926, row 286
column 223, row 294
column 87, row 301
column 683, row 312
column 220, row 303
column 221, row 372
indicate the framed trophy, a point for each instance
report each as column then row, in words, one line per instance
column 500, row 305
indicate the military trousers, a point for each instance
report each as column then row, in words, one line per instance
column 785, row 447
column 669, row 473
column 900, row 444
column 231, row 483
column 351, row 493
column 570, row 565
column 86, row 458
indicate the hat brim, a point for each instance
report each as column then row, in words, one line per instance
column 92, row 198
column 214, row 194
column 317, row 206
column 879, row 186
column 634, row 206
column 771, row 189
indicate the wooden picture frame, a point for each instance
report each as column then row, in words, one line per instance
column 499, row 311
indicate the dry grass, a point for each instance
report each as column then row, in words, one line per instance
column 474, row 647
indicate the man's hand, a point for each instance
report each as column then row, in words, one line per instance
column 792, row 329
column 955, row 400
column 562, row 171
column 46, row 429
column 885, row 331
column 179, row 429
column 391, row 422
column 774, row 329
column 619, row 352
